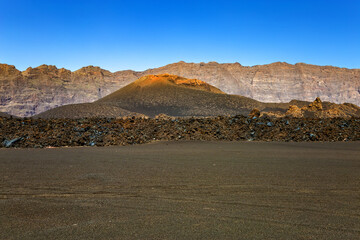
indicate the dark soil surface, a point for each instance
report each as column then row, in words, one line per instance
column 182, row 190
column 86, row 110
column 111, row 131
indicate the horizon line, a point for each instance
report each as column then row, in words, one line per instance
column 179, row 62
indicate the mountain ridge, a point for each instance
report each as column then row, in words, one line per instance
column 29, row 92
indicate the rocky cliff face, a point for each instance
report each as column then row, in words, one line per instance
column 276, row 82
column 38, row 89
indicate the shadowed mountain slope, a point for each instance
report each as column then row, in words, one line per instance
column 86, row 110
column 5, row 115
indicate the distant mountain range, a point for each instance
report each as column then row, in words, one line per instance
column 172, row 95
column 36, row 90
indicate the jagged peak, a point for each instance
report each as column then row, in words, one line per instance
column 43, row 66
column 47, row 66
column 42, row 69
column 90, row 67
column 4, row 65
column 280, row 64
column 91, row 70
column 6, row 70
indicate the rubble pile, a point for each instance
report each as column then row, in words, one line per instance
column 26, row 132
column 317, row 110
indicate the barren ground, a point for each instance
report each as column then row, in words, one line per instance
column 182, row 190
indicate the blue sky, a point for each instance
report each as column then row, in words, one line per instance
column 138, row 35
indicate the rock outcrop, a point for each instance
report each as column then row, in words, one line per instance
column 316, row 105
column 36, row 90
column 318, row 109
column 254, row 113
column 294, row 111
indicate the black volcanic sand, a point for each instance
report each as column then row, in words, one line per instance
column 111, row 131
column 182, row 190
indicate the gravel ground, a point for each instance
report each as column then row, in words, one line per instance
column 182, row 190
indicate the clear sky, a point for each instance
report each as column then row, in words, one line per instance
column 138, row 35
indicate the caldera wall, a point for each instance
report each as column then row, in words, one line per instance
column 38, row 89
